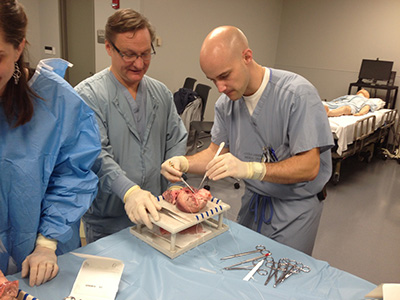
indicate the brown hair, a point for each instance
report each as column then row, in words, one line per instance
column 17, row 98
column 125, row 20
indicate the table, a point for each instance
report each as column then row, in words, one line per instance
column 199, row 274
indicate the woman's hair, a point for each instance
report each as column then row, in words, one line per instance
column 17, row 98
column 126, row 20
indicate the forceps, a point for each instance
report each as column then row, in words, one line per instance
column 259, row 248
column 248, row 260
column 261, row 271
column 275, row 268
column 187, row 184
column 181, row 178
column 293, row 267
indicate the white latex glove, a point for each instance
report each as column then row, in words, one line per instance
column 173, row 168
column 138, row 203
column 41, row 264
column 227, row 165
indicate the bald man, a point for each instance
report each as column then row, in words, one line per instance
column 277, row 139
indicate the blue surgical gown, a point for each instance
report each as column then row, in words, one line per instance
column 46, row 182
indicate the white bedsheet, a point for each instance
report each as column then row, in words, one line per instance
column 343, row 127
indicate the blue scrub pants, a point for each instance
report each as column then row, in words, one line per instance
column 293, row 223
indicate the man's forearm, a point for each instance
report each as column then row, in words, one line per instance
column 199, row 161
column 298, row 168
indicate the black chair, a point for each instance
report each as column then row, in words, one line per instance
column 189, row 83
column 202, row 126
column 203, row 90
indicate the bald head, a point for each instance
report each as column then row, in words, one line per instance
column 363, row 93
column 227, row 41
column 227, row 60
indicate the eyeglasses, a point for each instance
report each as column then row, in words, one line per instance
column 130, row 58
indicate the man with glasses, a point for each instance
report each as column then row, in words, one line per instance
column 139, row 128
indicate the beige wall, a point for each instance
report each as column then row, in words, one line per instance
column 102, row 10
column 43, row 28
column 326, row 40
column 323, row 40
column 183, row 25
column 33, row 32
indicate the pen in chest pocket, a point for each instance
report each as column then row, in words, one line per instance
column 269, row 155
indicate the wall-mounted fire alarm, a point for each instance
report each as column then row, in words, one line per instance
column 115, row 4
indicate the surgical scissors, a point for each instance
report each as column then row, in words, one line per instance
column 270, row 263
column 275, row 268
column 293, row 267
column 259, row 248
column 280, row 270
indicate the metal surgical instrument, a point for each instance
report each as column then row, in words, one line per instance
column 274, row 269
column 261, row 271
column 293, row 267
column 259, row 248
column 216, row 154
column 253, row 271
column 187, row 184
column 248, row 260
column 181, row 178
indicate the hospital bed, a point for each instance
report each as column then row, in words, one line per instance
column 359, row 135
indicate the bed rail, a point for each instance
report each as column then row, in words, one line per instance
column 363, row 130
column 364, row 136
column 387, row 123
column 367, row 133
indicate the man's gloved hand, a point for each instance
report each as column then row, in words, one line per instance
column 173, row 168
column 41, row 264
column 228, row 165
column 138, row 203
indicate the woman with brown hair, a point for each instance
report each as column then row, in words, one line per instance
column 49, row 141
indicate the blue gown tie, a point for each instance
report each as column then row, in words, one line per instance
column 259, row 215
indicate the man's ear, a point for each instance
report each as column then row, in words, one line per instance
column 248, row 55
column 108, row 47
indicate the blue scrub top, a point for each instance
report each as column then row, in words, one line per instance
column 128, row 157
column 290, row 118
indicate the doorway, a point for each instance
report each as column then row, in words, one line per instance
column 78, row 38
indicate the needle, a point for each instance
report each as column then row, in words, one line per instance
column 216, row 154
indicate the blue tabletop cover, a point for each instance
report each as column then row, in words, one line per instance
column 199, row 274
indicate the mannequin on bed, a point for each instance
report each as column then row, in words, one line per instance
column 356, row 105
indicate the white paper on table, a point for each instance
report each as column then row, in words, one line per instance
column 386, row 291
column 391, row 291
column 98, row 278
